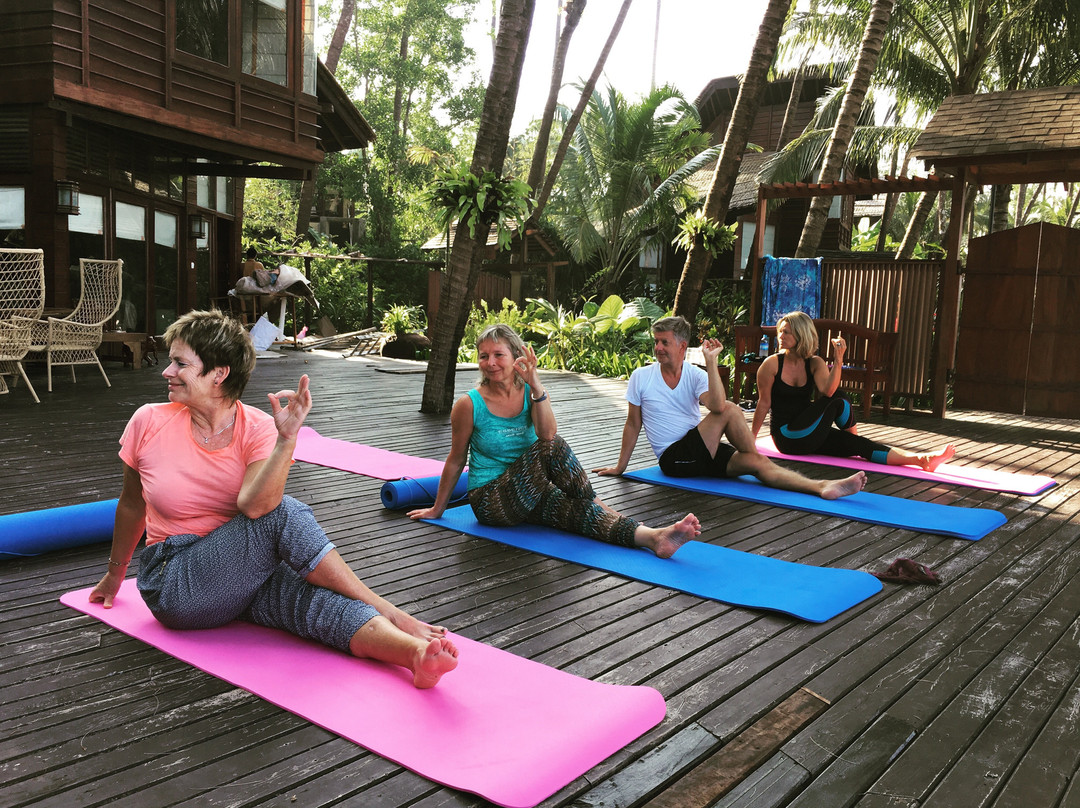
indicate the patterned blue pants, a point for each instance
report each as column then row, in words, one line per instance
column 548, row 486
column 253, row 570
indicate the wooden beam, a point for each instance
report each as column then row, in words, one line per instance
column 803, row 190
column 756, row 254
column 180, row 127
column 728, row 766
column 259, row 170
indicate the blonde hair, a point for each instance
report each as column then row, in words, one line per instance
column 501, row 332
column 802, row 328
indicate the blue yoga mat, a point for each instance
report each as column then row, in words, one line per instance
column 718, row 573
column 35, row 532
column 419, row 492
column 877, row 509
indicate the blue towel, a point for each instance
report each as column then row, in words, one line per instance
column 719, row 573
column 790, row 284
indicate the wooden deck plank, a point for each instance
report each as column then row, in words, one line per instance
column 91, row 717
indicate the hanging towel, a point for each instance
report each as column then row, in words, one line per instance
column 790, row 284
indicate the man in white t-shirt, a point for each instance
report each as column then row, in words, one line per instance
column 666, row 397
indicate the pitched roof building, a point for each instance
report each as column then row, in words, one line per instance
column 154, row 112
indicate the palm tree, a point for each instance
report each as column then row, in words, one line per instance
column 570, row 124
column 573, row 10
column 857, row 85
column 938, row 48
column 463, row 267
column 751, row 90
column 623, row 182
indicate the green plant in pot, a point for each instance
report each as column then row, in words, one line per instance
column 406, row 325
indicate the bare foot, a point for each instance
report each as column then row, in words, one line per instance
column 845, row 487
column 670, row 539
column 413, row 627
column 930, row 462
column 432, row 662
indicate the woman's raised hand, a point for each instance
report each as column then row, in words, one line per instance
column 839, row 348
column 525, row 366
column 291, row 417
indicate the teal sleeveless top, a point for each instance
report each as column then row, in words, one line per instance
column 497, row 442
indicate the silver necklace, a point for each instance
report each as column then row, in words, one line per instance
column 207, row 439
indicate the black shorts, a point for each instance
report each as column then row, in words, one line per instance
column 689, row 457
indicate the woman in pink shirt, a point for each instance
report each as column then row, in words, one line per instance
column 204, row 477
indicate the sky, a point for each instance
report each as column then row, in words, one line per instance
column 699, row 40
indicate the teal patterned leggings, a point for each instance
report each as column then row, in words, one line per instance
column 548, row 486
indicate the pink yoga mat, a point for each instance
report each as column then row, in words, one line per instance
column 509, row 729
column 311, row 447
column 986, row 479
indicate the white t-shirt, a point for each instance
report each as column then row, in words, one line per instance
column 667, row 414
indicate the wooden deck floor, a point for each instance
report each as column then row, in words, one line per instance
column 960, row 695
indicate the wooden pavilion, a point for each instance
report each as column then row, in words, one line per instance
column 127, row 129
column 991, row 139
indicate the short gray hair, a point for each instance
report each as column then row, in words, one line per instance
column 677, row 325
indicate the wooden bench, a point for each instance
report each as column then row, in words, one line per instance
column 868, row 362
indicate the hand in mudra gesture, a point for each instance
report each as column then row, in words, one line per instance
column 290, row 417
column 525, row 366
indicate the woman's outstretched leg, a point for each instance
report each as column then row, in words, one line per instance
column 428, row 660
column 928, row 461
column 334, row 574
column 664, row 541
column 292, row 603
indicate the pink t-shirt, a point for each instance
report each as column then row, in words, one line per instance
column 188, row 488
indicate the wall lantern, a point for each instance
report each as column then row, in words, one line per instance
column 197, row 226
column 67, row 197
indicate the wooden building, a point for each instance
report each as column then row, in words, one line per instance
column 784, row 226
column 153, row 112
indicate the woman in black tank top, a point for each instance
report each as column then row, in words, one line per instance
column 802, row 424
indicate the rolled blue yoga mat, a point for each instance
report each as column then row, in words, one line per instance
column 419, row 492
column 36, row 532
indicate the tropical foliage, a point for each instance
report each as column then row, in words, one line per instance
column 612, row 338
column 479, row 202
column 622, row 187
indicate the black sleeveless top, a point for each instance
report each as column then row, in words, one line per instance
column 789, row 402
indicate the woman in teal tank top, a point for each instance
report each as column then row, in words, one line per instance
column 520, row 470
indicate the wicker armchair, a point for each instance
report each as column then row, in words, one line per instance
column 22, row 297
column 74, row 340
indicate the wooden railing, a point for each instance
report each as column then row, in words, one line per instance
column 889, row 296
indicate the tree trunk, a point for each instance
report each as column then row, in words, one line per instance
column 915, row 226
column 792, row 105
column 337, row 41
column 539, row 159
column 751, row 90
column 579, row 110
column 333, row 54
column 999, row 207
column 463, row 268
column 890, row 200
column 836, row 152
column 399, row 84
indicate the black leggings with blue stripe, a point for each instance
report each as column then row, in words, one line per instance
column 819, row 429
